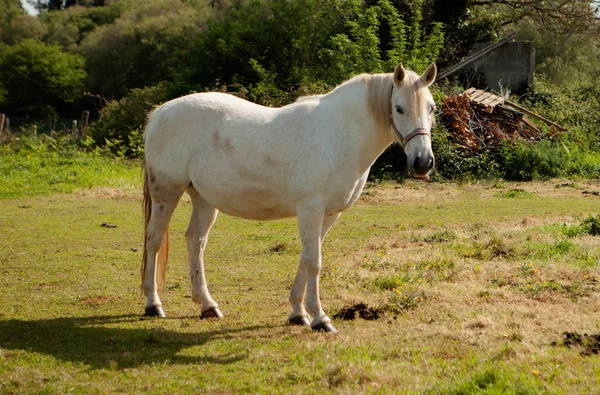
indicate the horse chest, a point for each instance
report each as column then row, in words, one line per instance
column 349, row 192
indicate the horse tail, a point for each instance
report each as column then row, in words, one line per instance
column 163, row 253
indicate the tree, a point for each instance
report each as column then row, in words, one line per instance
column 56, row 5
column 37, row 77
column 141, row 47
column 559, row 16
column 566, row 33
column 277, row 48
column 9, row 9
column 21, row 27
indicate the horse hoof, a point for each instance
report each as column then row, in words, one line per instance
column 213, row 312
column 299, row 320
column 324, row 327
column 154, row 311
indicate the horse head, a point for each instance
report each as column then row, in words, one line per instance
column 412, row 117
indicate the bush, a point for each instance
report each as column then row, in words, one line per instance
column 121, row 122
column 526, row 162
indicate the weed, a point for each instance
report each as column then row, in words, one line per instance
column 442, row 236
column 496, row 247
column 591, row 225
column 574, row 291
column 558, row 248
column 388, row 283
column 515, row 193
column 278, row 248
column 527, row 269
column 442, row 268
column 403, row 298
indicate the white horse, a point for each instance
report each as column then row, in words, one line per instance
column 309, row 159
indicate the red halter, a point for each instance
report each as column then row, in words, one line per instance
column 411, row 135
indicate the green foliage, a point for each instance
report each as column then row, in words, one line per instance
column 296, row 46
column 575, row 106
column 591, row 225
column 22, row 27
column 69, row 27
column 8, row 10
column 141, row 47
column 120, row 126
column 518, row 193
column 562, row 58
column 453, row 163
column 36, row 77
column 526, row 162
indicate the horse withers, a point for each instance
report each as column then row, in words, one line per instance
column 309, row 160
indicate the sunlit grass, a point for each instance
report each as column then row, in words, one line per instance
column 472, row 288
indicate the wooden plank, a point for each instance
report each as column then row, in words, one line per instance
column 477, row 94
column 531, row 125
column 2, row 116
column 492, row 101
column 526, row 111
column 481, row 98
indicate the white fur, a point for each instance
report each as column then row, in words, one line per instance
column 309, row 159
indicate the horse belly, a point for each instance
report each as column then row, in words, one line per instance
column 250, row 202
column 244, row 189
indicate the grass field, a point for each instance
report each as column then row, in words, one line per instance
column 474, row 286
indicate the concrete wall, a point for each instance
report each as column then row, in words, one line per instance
column 508, row 67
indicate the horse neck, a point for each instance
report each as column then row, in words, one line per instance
column 364, row 133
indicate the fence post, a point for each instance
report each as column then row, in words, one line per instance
column 85, row 118
column 35, row 131
column 2, row 116
column 73, row 125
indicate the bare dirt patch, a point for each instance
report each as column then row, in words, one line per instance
column 590, row 344
column 361, row 310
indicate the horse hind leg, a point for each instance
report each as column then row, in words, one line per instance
column 203, row 217
column 156, row 249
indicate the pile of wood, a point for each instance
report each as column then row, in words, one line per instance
column 480, row 121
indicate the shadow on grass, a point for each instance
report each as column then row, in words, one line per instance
column 100, row 343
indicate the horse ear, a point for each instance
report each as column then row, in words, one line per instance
column 430, row 74
column 399, row 74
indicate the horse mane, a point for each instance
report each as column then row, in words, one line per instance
column 379, row 97
column 380, row 94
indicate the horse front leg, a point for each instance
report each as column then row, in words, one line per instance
column 299, row 316
column 310, row 225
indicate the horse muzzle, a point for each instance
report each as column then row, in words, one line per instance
column 421, row 165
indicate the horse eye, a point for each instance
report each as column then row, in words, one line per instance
column 432, row 109
column 399, row 110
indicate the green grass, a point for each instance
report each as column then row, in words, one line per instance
column 36, row 170
column 473, row 289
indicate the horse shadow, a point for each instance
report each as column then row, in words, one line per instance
column 99, row 342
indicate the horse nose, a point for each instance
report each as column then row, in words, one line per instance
column 423, row 164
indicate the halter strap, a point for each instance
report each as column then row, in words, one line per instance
column 411, row 135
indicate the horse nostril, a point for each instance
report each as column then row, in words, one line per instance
column 431, row 163
column 423, row 164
